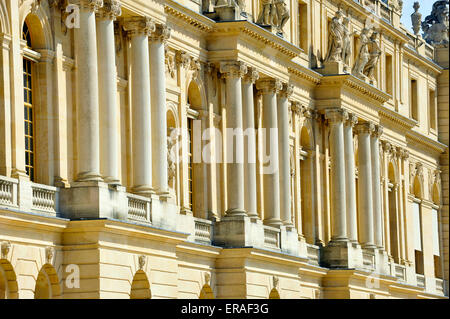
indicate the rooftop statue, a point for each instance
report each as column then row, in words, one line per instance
column 416, row 18
column 436, row 25
column 274, row 13
column 363, row 54
column 374, row 56
column 336, row 39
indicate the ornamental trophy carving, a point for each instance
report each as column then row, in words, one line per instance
column 274, row 15
column 436, row 25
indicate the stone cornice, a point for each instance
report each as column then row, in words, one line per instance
column 256, row 32
column 398, row 119
column 304, row 73
column 192, row 18
column 353, row 83
column 424, row 141
column 411, row 54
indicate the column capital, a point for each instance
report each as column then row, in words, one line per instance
column 233, row 69
column 251, row 76
column 404, row 154
column 268, row 85
column 286, row 90
column 365, row 127
column 161, row 33
column 336, row 115
column 387, row 147
column 352, row 120
column 93, row 5
column 111, row 10
column 182, row 58
column 139, row 26
column 377, row 131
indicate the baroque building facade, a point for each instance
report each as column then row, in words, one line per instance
column 100, row 199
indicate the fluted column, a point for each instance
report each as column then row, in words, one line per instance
column 350, row 190
column 107, row 79
column 248, row 118
column 158, row 108
column 87, row 84
column 283, row 153
column 138, row 30
column 376, row 186
column 365, row 185
column 271, row 189
column 336, row 118
column 233, row 72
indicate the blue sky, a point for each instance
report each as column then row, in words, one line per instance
column 425, row 9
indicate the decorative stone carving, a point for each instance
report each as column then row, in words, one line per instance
column 5, row 248
column 274, row 13
column 183, row 59
column 49, row 253
column 363, row 54
column 142, row 261
column 139, row 25
column 336, row 39
column 396, row 5
column 275, row 281
column 207, row 277
column 195, row 66
column 169, row 60
column 171, row 157
column 160, row 33
column 233, row 69
column 416, row 18
column 436, row 25
column 118, row 37
column 111, row 9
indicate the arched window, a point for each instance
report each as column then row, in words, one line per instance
column 8, row 281
column 140, row 287
column 47, row 284
column 274, row 294
column 206, row 292
column 417, row 220
column 29, row 114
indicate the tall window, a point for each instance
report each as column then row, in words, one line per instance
column 432, row 106
column 190, row 123
column 302, row 23
column 436, row 244
column 413, row 100
column 28, row 108
column 393, row 217
column 388, row 73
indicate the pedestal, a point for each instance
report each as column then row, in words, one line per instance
column 342, row 255
column 94, row 199
column 332, row 68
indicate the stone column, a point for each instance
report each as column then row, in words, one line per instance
column 336, row 118
column 376, row 185
column 283, row 153
column 158, row 109
column 233, row 71
column 248, row 118
column 365, row 185
column 138, row 30
column 107, row 76
column 271, row 189
column 350, row 190
column 87, row 84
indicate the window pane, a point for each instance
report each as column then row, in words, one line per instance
column 434, row 223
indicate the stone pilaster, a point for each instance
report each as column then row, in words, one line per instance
column 269, row 89
column 350, row 182
column 157, row 38
column 88, row 98
column 376, row 186
column 283, row 153
column 109, row 130
column 233, row 72
column 365, row 203
column 138, row 30
column 248, row 118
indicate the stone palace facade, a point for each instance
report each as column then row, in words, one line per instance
column 95, row 202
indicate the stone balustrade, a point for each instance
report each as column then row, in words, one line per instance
column 139, row 208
